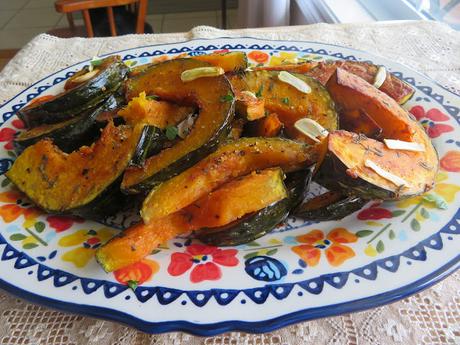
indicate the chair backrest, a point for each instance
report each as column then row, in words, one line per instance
column 70, row 6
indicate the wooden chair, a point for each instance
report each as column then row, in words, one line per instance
column 70, row 6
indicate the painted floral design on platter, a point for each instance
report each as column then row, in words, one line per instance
column 374, row 229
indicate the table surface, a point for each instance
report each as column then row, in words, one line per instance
column 431, row 317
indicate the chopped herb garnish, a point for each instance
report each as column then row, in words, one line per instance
column 171, row 132
column 153, row 97
column 259, row 92
column 437, row 200
column 96, row 63
column 285, row 100
column 132, row 284
column 227, row 98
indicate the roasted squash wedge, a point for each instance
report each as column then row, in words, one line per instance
column 397, row 89
column 229, row 161
column 108, row 77
column 331, row 205
column 230, row 62
column 259, row 223
column 153, row 112
column 302, row 67
column 214, row 99
column 289, row 103
column 68, row 135
column 368, row 168
column 58, row 182
column 355, row 164
column 217, row 208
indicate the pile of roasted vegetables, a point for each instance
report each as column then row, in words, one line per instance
column 217, row 149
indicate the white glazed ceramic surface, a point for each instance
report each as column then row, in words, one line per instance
column 377, row 255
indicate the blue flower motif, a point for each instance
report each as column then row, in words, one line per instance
column 265, row 268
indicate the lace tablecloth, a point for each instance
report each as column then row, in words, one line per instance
column 431, row 317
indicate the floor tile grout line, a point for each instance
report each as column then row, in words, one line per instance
column 17, row 11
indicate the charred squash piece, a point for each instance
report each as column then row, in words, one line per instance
column 268, row 126
column 257, row 224
column 154, row 113
column 230, row 62
column 394, row 87
column 214, row 99
column 329, row 206
column 351, row 93
column 107, row 78
column 249, row 106
column 231, row 160
column 60, row 182
column 347, row 167
column 357, row 121
column 225, row 205
column 289, row 103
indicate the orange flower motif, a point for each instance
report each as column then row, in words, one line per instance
column 332, row 244
column 258, row 56
column 139, row 272
column 12, row 210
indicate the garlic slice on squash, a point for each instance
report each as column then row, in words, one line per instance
column 380, row 77
column 295, row 82
column 201, row 72
column 311, row 129
column 403, row 145
column 250, row 94
column 85, row 77
column 398, row 181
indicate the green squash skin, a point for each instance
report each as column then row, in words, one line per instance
column 71, row 134
column 260, row 223
column 187, row 160
column 334, row 211
column 333, row 175
column 151, row 142
column 78, row 99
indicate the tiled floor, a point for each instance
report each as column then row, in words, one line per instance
column 21, row 20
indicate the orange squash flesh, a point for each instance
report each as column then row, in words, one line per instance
column 289, row 103
column 357, row 121
column 303, row 67
column 60, row 182
column 229, row 62
column 228, row 203
column 231, row 160
column 249, row 107
column 269, row 126
column 154, row 113
column 414, row 167
column 351, row 92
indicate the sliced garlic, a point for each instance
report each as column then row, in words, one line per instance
column 398, row 181
column 311, row 129
column 403, row 145
column 380, row 77
column 201, row 72
column 250, row 94
column 299, row 84
column 84, row 77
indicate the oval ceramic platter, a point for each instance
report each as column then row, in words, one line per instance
column 381, row 253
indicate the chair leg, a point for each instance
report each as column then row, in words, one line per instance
column 113, row 30
column 89, row 26
column 70, row 20
column 141, row 13
column 224, row 13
